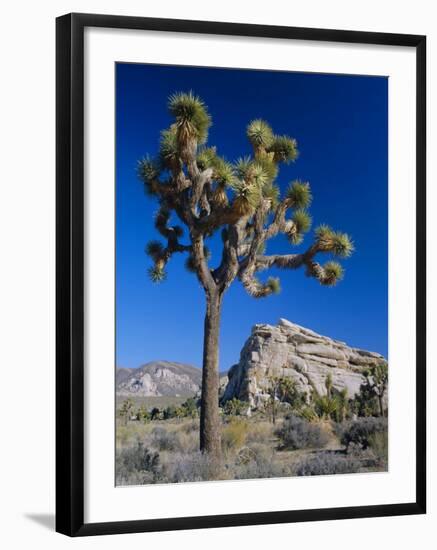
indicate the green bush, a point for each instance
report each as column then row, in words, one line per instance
column 234, row 407
column 297, row 433
column 189, row 408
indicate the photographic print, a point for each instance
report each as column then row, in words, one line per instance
column 251, row 274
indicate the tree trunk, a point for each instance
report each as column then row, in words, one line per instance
column 210, row 440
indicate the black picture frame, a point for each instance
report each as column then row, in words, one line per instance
column 70, row 273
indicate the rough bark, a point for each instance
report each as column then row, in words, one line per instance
column 210, row 440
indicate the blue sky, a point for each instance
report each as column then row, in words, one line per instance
column 340, row 123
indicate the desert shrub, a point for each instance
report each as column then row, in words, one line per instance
column 326, row 464
column 234, row 435
column 126, row 409
column 195, row 466
column 308, row 413
column 234, row 407
column 165, row 440
column 156, row 414
column 137, row 465
column 365, row 403
column 378, row 443
column 189, row 408
column 258, row 462
column 188, row 441
column 359, row 432
column 143, row 414
column 325, row 406
column 191, row 426
column 260, row 432
column 287, row 392
column 297, row 433
column 169, row 412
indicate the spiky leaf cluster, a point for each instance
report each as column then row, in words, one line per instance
column 248, row 197
column 223, row 171
column 192, row 117
column 336, row 242
column 194, row 186
column 260, row 134
column 284, row 149
column 333, row 273
column 206, row 157
column 299, row 194
column 155, row 250
column 168, row 150
column 274, row 285
column 302, row 220
column 157, row 274
column 272, row 193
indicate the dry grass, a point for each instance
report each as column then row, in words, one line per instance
column 251, row 449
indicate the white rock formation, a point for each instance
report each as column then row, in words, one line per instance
column 288, row 350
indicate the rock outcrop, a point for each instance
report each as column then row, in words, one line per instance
column 288, row 350
column 159, row 378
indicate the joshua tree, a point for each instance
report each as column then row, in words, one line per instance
column 126, row 409
column 244, row 203
column 377, row 382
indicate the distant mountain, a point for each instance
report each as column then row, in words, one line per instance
column 159, row 378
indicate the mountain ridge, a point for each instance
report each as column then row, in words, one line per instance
column 159, row 378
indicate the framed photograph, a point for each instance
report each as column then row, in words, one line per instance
column 240, row 274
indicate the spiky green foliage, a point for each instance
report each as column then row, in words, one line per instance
column 271, row 192
column 157, row 274
column 168, row 147
column 333, row 273
column 295, row 238
column 323, row 232
column 284, row 149
column 247, row 196
column 206, row 157
column 343, row 245
column 299, row 194
column 223, row 171
column 274, row 284
column 260, row 134
column 338, row 243
column 258, row 175
column 147, row 170
column 154, row 249
column 191, row 114
column 268, row 166
column 302, row 220
column 325, row 406
column 242, row 167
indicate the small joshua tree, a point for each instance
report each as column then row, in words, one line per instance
column 377, row 383
column 244, row 203
column 126, row 409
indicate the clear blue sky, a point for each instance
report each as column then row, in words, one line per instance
column 340, row 123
